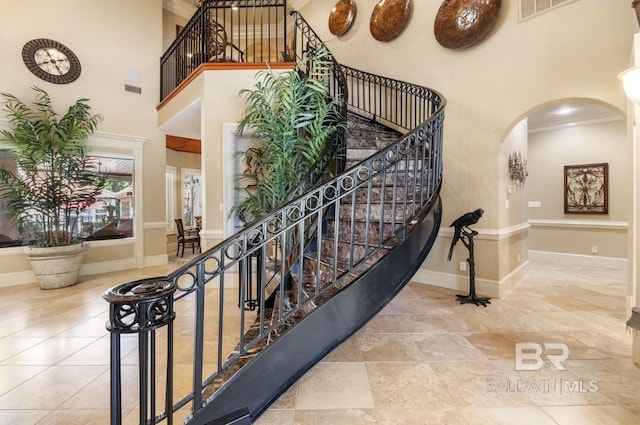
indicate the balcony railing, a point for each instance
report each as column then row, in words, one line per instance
column 226, row 31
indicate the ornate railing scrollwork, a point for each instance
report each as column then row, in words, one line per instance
column 141, row 308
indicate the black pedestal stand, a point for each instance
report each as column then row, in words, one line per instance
column 466, row 237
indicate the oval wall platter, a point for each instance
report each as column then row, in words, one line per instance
column 341, row 17
column 388, row 18
column 462, row 23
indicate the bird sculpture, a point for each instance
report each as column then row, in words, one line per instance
column 465, row 220
column 465, row 234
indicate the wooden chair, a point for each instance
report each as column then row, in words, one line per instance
column 186, row 239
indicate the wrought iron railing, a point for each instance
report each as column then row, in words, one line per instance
column 226, row 31
column 188, row 311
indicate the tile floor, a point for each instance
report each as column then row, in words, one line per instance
column 425, row 359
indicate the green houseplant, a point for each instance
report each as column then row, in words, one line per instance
column 54, row 178
column 292, row 116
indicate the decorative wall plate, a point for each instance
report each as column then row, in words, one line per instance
column 388, row 18
column 462, row 23
column 341, row 17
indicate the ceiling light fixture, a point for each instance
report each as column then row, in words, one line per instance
column 631, row 83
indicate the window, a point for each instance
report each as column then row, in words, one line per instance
column 191, row 198
column 110, row 217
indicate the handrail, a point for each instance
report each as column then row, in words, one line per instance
column 408, row 174
column 226, row 31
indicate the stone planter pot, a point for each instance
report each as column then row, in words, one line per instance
column 57, row 267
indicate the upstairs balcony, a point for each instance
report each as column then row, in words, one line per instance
column 228, row 31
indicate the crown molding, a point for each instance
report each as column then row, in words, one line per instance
column 179, row 7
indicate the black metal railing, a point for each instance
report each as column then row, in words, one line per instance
column 211, row 335
column 226, row 31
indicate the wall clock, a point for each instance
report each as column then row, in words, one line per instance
column 51, row 60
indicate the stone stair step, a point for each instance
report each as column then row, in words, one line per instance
column 401, row 165
column 360, row 227
column 376, row 195
column 376, row 212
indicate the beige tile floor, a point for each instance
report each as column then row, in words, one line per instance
column 425, row 359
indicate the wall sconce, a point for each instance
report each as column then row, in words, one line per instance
column 633, row 324
column 517, row 168
column 631, row 83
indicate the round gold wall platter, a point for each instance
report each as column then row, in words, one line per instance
column 462, row 23
column 341, row 17
column 388, row 18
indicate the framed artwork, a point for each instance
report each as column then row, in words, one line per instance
column 586, row 189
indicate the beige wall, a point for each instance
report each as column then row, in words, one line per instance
column 109, row 38
column 169, row 22
column 575, row 51
column 553, row 230
column 550, row 151
column 217, row 94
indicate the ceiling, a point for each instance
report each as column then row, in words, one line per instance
column 570, row 114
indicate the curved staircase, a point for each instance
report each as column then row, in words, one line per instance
column 308, row 276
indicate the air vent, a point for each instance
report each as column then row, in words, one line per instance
column 531, row 8
column 133, row 89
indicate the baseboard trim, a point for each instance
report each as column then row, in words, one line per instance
column 156, row 260
column 17, row 278
column 564, row 259
column 27, row 277
column 89, row 269
column 484, row 287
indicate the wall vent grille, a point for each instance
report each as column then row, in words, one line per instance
column 531, row 8
column 133, row 89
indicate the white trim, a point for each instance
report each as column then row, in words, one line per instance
column 154, row 225
column 172, row 199
column 213, row 234
column 10, row 251
column 564, row 259
column 111, row 242
column 88, row 269
column 156, row 260
column 114, row 140
column 491, row 234
column 17, row 278
column 229, row 131
column 510, row 280
column 581, row 224
column 484, row 287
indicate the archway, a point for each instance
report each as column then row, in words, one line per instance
column 547, row 138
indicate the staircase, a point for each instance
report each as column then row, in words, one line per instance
column 308, row 276
column 327, row 271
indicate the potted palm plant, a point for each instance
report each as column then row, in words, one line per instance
column 53, row 181
column 292, row 116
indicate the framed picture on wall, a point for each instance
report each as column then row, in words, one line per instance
column 586, row 189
